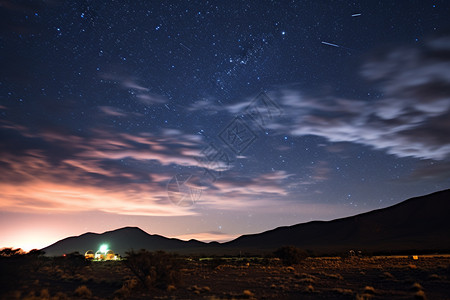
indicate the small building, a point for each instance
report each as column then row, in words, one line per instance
column 102, row 254
column 99, row 255
column 110, row 255
column 89, row 254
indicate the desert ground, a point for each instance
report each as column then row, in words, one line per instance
column 377, row 277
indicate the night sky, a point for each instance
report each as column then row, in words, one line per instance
column 266, row 113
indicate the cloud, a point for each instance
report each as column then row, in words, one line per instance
column 150, row 98
column 205, row 106
column 112, row 111
column 55, row 168
column 108, row 171
column 320, row 171
column 142, row 93
column 411, row 120
column 128, row 83
column 430, row 170
column 234, row 192
column 45, row 196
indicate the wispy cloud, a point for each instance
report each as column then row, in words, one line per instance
column 235, row 192
column 103, row 171
column 142, row 93
column 46, row 196
column 150, row 98
column 430, row 170
column 112, row 111
column 102, row 165
column 320, row 171
column 410, row 120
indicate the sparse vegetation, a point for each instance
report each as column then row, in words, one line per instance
column 416, row 287
column 343, row 291
column 309, row 288
column 234, row 278
column 83, row 292
column 388, row 275
column 420, row 295
column 290, row 255
column 71, row 263
column 154, row 269
column 369, row 290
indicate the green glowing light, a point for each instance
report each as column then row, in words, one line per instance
column 103, row 248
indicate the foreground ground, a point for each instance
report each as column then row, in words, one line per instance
column 315, row 278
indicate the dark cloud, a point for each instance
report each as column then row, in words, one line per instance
column 410, row 120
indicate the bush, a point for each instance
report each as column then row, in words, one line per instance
column 14, row 269
column 71, row 263
column 290, row 255
column 10, row 252
column 35, row 260
column 215, row 262
column 154, row 269
column 83, row 291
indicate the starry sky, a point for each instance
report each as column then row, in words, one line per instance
column 212, row 119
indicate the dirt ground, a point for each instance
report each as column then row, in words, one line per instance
column 315, row 278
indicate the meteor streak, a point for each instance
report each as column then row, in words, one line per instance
column 185, row 47
column 330, row 44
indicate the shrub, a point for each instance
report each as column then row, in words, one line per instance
column 309, row 289
column 388, row 275
column 416, row 287
column 343, row 291
column 369, row 290
column 420, row 295
column 290, row 255
column 248, row 294
column 10, row 252
column 44, row 294
column 14, row 269
column 83, row 291
column 35, row 259
column 60, row 296
column 71, row 263
column 215, row 262
column 154, row 269
column 126, row 288
column 363, row 297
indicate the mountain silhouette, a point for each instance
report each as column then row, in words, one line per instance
column 120, row 241
column 419, row 224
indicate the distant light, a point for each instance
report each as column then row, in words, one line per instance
column 103, row 248
column 283, row 32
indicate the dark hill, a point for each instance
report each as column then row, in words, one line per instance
column 420, row 224
column 120, row 241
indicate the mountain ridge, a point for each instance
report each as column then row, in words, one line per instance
column 418, row 223
column 434, row 220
